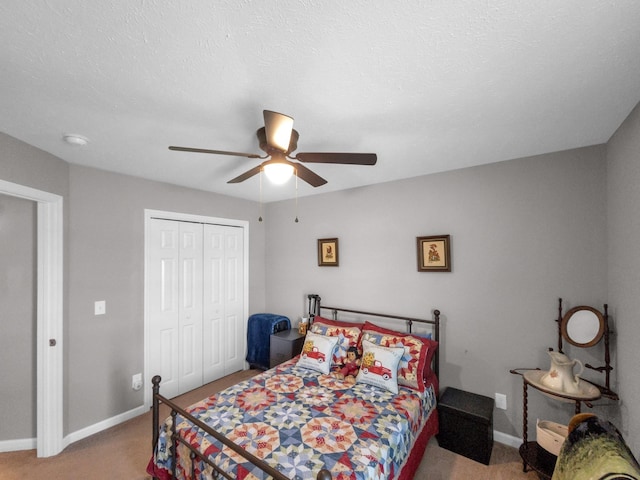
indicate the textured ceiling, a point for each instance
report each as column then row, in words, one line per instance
column 427, row 85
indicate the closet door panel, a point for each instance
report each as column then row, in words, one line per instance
column 190, row 317
column 234, row 293
column 214, row 304
column 163, row 303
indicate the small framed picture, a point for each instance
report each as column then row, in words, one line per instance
column 328, row 252
column 434, row 253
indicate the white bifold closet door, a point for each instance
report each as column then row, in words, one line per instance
column 195, row 282
column 223, row 297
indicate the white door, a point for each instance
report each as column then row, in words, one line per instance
column 234, row 313
column 223, row 329
column 195, row 303
column 175, row 304
column 190, row 311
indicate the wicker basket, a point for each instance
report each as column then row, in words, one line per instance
column 551, row 435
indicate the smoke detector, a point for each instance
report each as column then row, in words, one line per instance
column 73, row 139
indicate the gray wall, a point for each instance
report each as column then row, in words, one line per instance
column 25, row 165
column 18, row 316
column 104, row 260
column 623, row 228
column 523, row 233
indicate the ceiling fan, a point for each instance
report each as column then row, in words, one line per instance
column 278, row 139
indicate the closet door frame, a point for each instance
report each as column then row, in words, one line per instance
column 186, row 217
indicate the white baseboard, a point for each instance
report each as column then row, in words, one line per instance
column 103, row 425
column 505, row 439
column 16, row 445
column 31, row 443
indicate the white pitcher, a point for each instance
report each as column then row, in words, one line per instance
column 560, row 376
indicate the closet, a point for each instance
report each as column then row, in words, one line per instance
column 195, row 302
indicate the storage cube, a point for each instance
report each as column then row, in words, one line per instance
column 284, row 346
column 466, row 424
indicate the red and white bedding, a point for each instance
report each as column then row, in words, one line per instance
column 300, row 420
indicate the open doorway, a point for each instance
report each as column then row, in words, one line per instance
column 18, row 278
column 49, row 306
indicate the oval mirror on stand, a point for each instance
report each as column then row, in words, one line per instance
column 583, row 326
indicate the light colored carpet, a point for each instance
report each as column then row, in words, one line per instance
column 123, row 451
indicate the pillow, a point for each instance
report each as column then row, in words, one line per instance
column 418, row 352
column 379, row 366
column 348, row 335
column 432, row 346
column 316, row 352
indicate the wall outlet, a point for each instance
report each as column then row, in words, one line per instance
column 501, row 401
column 136, row 381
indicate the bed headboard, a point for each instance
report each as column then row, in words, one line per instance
column 432, row 323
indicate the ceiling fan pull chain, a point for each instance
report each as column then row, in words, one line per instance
column 296, row 174
column 260, row 217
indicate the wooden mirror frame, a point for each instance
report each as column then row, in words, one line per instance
column 572, row 316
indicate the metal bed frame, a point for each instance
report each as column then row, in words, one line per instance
column 314, row 310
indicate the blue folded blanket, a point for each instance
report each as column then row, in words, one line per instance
column 259, row 329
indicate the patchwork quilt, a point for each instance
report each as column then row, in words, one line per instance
column 299, row 421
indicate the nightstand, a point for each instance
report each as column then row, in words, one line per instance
column 284, row 346
column 466, row 424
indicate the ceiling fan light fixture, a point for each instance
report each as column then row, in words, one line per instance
column 277, row 172
column 278, row 139
column 278, row 129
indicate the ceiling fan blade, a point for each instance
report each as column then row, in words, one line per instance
column 344, row 158
column 217, row 152
column 278, row 128
column 308, row 176
column 245, row 175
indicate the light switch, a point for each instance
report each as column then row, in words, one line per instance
column 100, row 307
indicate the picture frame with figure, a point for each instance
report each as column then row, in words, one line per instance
column 434, row 253
column 328, row 252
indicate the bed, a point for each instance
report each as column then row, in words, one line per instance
column 303, row 420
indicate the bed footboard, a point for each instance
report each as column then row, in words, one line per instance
column 176, row 438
